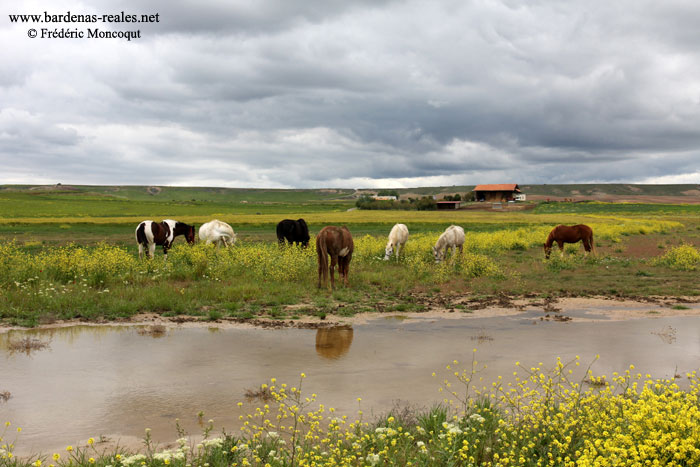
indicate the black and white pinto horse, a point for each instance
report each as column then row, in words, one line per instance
column 149, row 234
column 293, row 231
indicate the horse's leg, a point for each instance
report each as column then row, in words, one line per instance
column 586, row 245
column 334, row 261
column 166, row 247
column 461, row 247
column 140, row 251
column 398, row 249
column 322, row 270
column 561, row 248
column 151, row 250
column 345, row 264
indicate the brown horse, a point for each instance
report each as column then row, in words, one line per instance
column 569, row 234
column 337, row 242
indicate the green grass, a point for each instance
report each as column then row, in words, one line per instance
column 90, row 215
column 618, row 208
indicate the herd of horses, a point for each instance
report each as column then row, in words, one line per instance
column 331, row 241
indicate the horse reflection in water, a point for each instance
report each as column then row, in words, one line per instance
column 333, row 343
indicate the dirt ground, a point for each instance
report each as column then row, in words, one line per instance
column 453, row 308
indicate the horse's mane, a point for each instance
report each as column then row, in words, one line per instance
column 441, row 241
column 550, row 237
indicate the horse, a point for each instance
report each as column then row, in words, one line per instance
column 336, row 242
column 217, row 232
column 397, row 238
column 293, row 231
column 149, row 234
column 569, row 234
column 452, row 237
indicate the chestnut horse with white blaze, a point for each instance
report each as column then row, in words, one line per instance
column 149, row 234
column 336, row 242
column 569, row 234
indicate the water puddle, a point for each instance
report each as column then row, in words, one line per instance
column 88, row 381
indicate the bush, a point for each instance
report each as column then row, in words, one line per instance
column 684, row 257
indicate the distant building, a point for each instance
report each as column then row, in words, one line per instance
column 448, row 204
column 497, row 193
column 385, row 198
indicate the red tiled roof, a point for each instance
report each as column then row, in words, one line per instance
column 499, row 187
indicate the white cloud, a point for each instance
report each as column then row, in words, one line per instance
column 334, row 93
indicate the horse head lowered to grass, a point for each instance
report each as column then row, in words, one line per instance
column 218, row 233
column 452, row 237
column 336, row 242
column 149, row 234
column 569, row 234
column 397, row 238
column 293, row 231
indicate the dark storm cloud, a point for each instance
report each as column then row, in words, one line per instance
column 377, row 93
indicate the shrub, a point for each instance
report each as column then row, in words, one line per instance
column 684, row 257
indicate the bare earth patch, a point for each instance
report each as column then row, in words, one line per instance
column 453, row 307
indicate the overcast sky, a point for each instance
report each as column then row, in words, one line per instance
column 342, row 93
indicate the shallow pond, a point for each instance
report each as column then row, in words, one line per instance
column 116, row 380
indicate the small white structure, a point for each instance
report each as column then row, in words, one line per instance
column 385, row 198
column 520, row 197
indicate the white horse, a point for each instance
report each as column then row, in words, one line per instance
column 217, row 232
column 452, row 237
column 397, row 238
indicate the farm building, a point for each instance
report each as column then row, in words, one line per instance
column 448, row 204
column 385, row 198
column 497, row 193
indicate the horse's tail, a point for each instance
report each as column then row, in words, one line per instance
column 280, row 232
column 322, row 252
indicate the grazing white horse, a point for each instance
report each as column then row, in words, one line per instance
column 397, row 238
column 452, row 237
column 217, row 232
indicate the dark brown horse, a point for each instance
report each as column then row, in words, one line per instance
column 149, row 234
column 337, row 242
column 569, row 234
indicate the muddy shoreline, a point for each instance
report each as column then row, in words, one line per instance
column 615, row 308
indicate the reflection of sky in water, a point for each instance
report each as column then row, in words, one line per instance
column 106, row 380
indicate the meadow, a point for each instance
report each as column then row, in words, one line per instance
column 60, row 260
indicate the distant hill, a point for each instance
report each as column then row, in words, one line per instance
column 687, row 193
column 184, row 194
column 612, row 192
column 598, row 189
